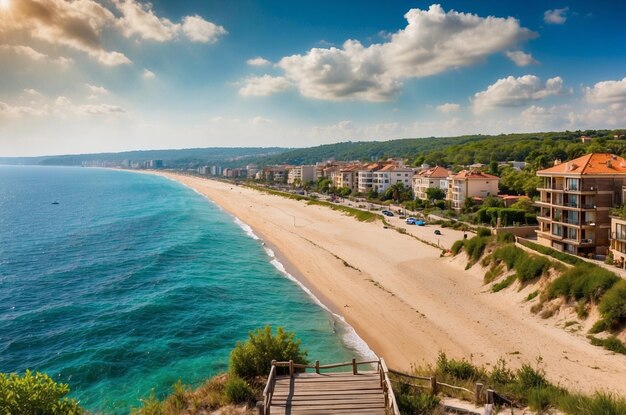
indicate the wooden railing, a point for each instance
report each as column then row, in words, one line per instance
column 263, row 407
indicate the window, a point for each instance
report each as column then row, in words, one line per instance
column 620, row 231
column 572, row 184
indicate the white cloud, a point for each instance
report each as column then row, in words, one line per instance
column 139, row 19
column 199, row 30
column 448, row 107
column 97, row 89
column 99, row 110
column 32, row 92
column 607, row 92
column 512, row 92
column 263, row 85
column 26, row 51
column 76, row 24
column 12, row 111
column 433, row 41
column 556, row 16
column 148, row 74
column 520, row 58
column 258, row 61
column 258, row 120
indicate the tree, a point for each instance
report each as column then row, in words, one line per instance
column 254, row 356
column 398, row 193
column 35, row 394
column 435, row 193
column 492, row 201
column 324, row 185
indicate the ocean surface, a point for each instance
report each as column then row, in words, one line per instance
column 132, row 282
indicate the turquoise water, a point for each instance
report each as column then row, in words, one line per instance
column 132, row 282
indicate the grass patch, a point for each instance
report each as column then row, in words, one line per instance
column 611, row 343
column 457, row 246
column 531, row 268
column 583, row 282
column 493, row 273
column 561, row 256
column 532, row 295
column 503, row 284
column 475, row 247
column 612, row 306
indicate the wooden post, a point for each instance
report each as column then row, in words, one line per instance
column 291, row 368
column 490, row 396
column 354, row 369
column 317, row 367
column 478, row 392
column 433, row 385
column 260, row 408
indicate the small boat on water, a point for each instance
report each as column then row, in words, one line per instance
column 55, row 203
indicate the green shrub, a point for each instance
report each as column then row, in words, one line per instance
column 501, row 374
column 415, row 403
column 561, row 256
column 494, row 272
column 506, row 238
column 530, row 378
column 611, row 343
column 457, row 246
column 613, row 305
column 509, row 254
column 531, row 268
column 503, row 284
column 475, row 247
column 458, row 369
column 532, row 295
column 35, row 394
column 584, row 281
column 238, row 391
column 483, row 232
column 539, row 399
column 598, row 327
column 254, row 356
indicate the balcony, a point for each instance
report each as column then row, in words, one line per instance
column 618, row 237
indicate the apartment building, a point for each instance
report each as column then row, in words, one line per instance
column 471, row 183
column 390, row 174
column 346, row 176
column 575, row 200
column 365, row 177
column 436, row 177
column 300, row 175
column 618, row 241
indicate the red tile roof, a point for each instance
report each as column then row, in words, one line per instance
column 435, row 172
column 590, row 164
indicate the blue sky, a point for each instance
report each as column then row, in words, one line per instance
column 112, row 75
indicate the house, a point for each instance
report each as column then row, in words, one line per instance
column 346, row 177
column 436, row 177
column 470, row 183
column 618, row 240
column 575, row 199
column 300, row 175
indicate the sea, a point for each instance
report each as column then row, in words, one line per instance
column 120, row 283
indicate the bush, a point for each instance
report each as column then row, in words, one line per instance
column 530, row 378
column 494, row 272
column 238, row 391
column 531, row 268
column 611, row 343
column 483, row 232
column 35, row 394
column 457, row 246
column 503, row 284
column 509, row 254
column 254, row 356
column 584, row 281
column 458, row 369
column 501, row 374
column 506, row 238
column 415, row 403
column 475, row 247
column 613, row 305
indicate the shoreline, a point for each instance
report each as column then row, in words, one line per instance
column 402, row 299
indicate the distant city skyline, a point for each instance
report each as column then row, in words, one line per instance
column 115, row 75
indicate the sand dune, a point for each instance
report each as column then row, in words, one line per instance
column 404, row 300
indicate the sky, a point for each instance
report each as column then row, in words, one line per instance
column 87, row 76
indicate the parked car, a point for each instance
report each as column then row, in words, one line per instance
column 437, row 232
column 420, row 223
column 387, row 213
column 410, row 221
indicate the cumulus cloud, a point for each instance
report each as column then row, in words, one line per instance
column 260, row 120
column 520, row 58
column 97, row 89
column 76, row 24
column 148, row 74
column 512, row 92
column 263, row 85
column 607, row 92
column 13, row 111
column 80, row 24
column 258, row 61
column 448, row 107
column 99, row 110
column 556, row 16
column 199, row 30
column 433, row 41
column 26, row 51
column 60, row 106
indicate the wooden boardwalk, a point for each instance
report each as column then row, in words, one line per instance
column 329, row 393
column 367, row 392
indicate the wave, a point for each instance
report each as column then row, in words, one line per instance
column 349, row 336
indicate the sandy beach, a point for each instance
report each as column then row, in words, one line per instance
column 406, row 301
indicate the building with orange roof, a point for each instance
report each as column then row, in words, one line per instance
column 471, row 183
column 389, row 175
column 435, row 177
column 575, row 200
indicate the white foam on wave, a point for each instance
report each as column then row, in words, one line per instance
column 349, row 335
column 246, row 228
